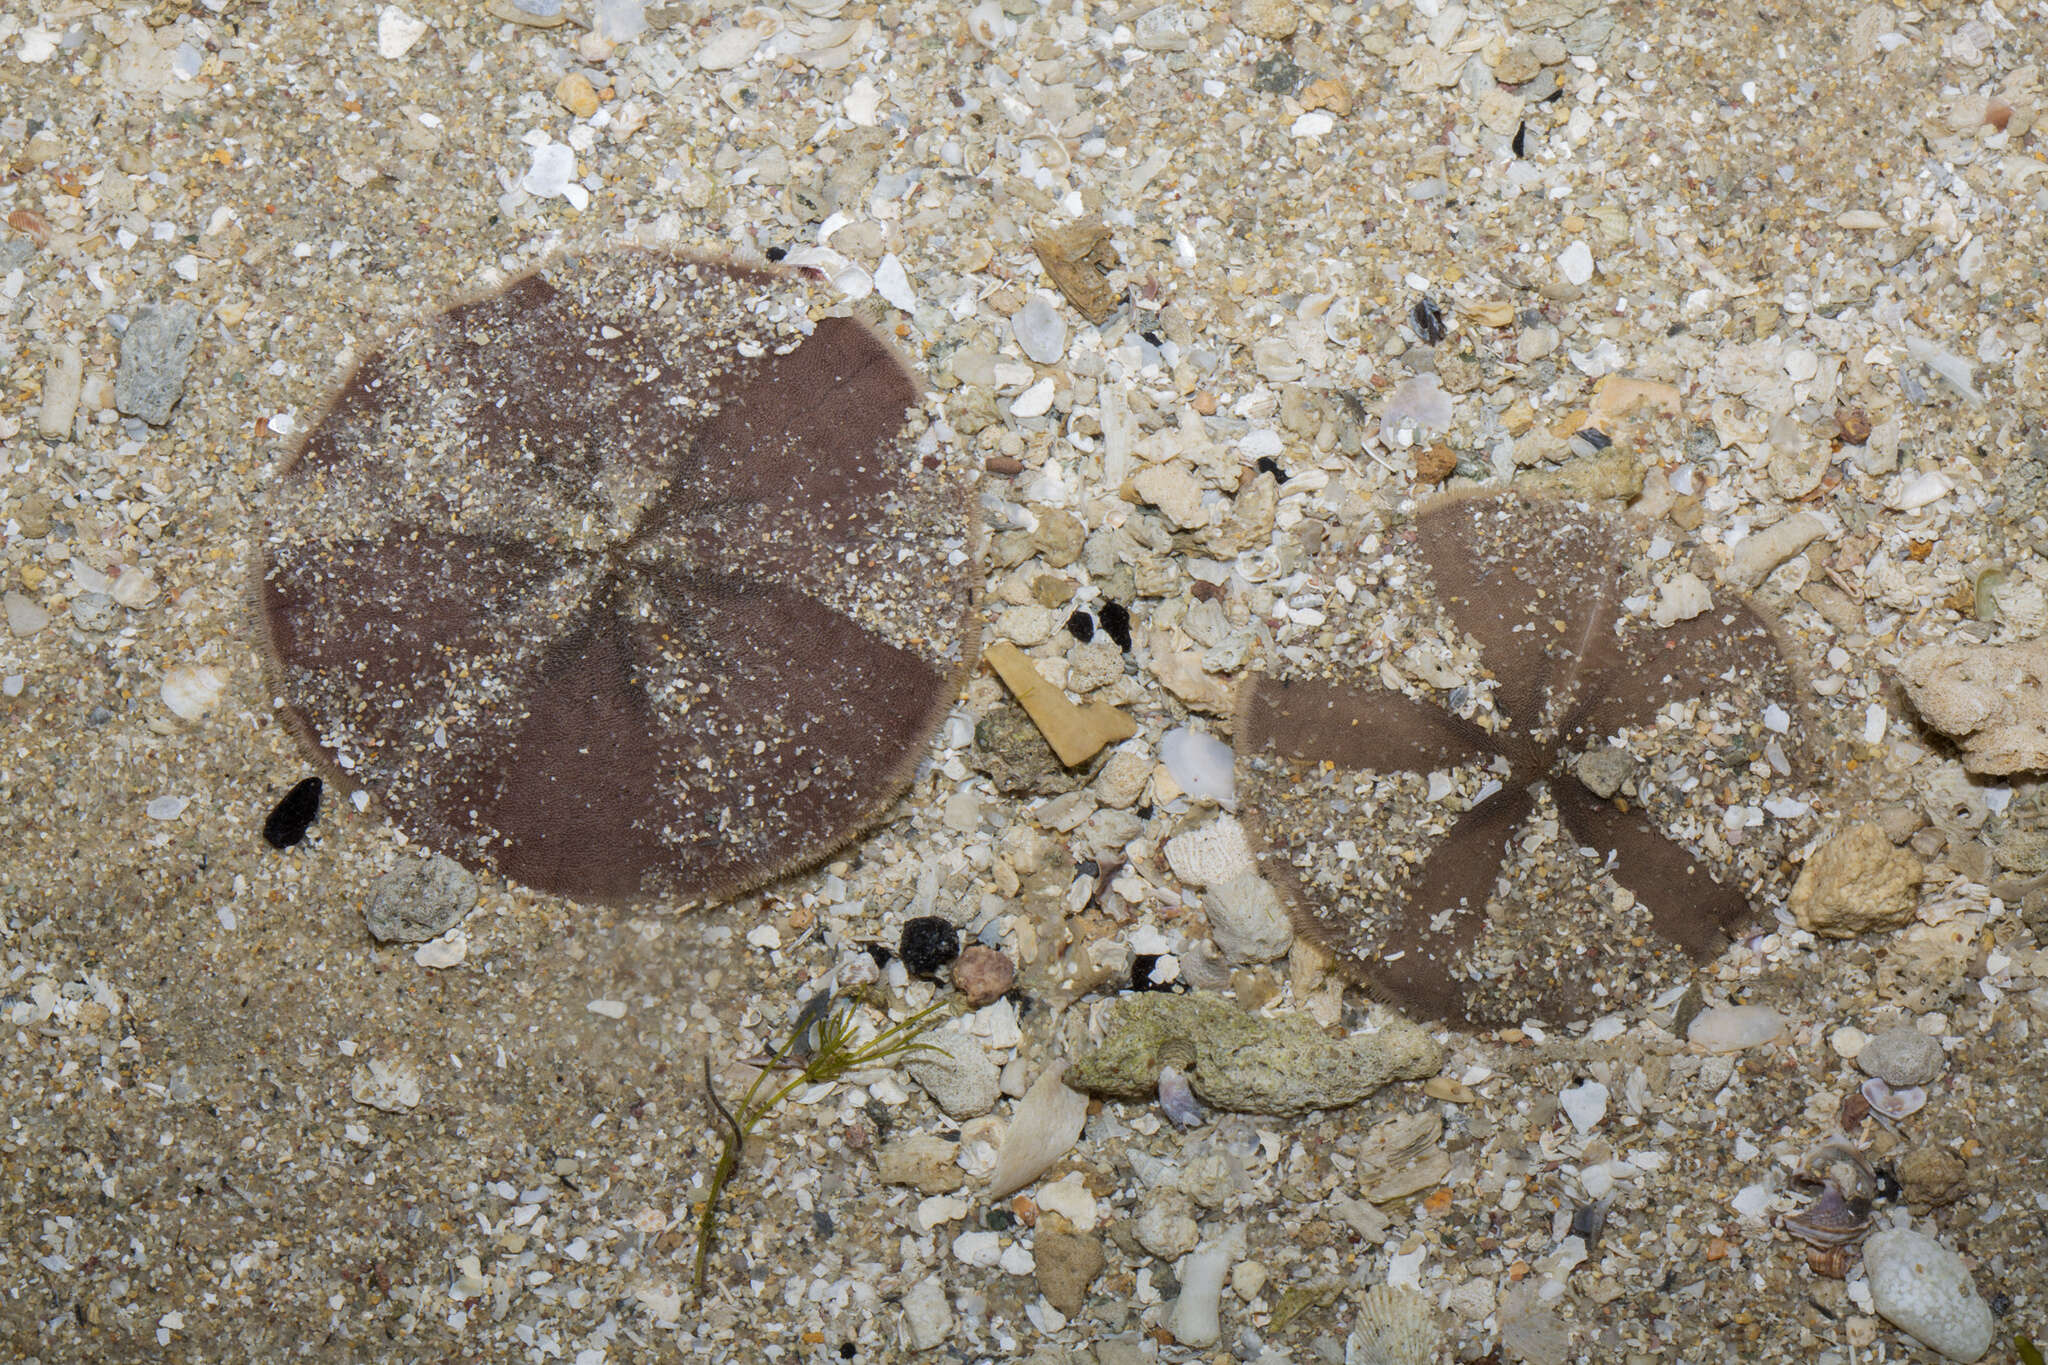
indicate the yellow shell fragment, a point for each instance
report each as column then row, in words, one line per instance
column 1076, row 733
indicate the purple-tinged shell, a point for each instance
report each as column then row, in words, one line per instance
column 1842, row 1213
column 1893, row 1104
column 1830, row 1221
column 1177, row 1098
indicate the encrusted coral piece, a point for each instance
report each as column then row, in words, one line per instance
column 1391, row 817
column 632, row 578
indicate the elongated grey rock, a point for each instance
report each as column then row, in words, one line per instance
column 1245, row 1062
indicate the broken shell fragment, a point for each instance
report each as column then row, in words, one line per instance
column 1830, row 1221
column 192, row 690
column 1177, row 1098
column 1842, row 1213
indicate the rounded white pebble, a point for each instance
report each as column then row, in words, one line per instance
column 1925, row 1290
column 1575, row 263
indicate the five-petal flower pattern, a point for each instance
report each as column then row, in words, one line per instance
column 1442, row 845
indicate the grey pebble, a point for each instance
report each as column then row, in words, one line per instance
column 956, row 1072
column 156, row 355
column 421, row 898
column 1902, row 1056
column 25, row 616
column 95, row 612
column 1604, row 770
column 1040, row 330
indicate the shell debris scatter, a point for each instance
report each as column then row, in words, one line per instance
column 1430, row 834
column 635, row 577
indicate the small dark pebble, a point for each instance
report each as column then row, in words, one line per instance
column 1141, row 974
column 929, row 943
column 1151, row 338
column 2001, row 1304
column 1428, row 320
column 880, row 953
column 1088, row 867
column 1590, row 1220
column 1116, row 621
column 1594, row 437
column 1269, row 465
column 291, row 817
column 999, row 1220
column 822, row 1221
column 1276, row 74
column 776, row 253
column 1520, row 146
column 1081, row 626
column 1888, row 1187
column 847, row 1350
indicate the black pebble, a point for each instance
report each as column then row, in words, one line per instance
column 776, row 253
column 1081, row 626
column 1269, row 465
column 1116, row 620
column 880, row 953
column 1428, row 320
column 291, row 817
column 999, row 1220
column 1520, row 145
column 928, row 944
column 1141, row 974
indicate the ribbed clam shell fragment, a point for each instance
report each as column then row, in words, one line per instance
column 1395, row 1326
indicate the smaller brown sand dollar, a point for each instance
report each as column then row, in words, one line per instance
column 638, row 577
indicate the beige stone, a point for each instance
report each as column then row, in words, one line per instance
column 577, row 95
column 1856, row 883
column 1267, row 18
column 1993, row 699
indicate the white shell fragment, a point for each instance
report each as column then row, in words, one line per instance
column 1203, row 765
column 193, row 690
column 1575, row 263
column 397, row 32
column 554, row 165
column 393, row 1087
column 1045, row 1127
column 1733, row 1028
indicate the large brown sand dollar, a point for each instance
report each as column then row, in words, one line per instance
column 634, row 578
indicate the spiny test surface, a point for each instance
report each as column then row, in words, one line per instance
column 1437, row 838
column 629, row 579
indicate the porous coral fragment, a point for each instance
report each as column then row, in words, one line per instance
column 628, row 579
column 1391, row 819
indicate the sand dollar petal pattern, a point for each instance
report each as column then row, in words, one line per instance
column 1443, row 846
column 635, row 577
